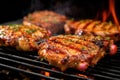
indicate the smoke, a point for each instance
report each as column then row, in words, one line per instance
column 71, row 8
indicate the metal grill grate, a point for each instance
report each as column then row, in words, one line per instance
column 29, row 64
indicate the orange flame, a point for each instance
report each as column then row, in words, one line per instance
column 110, row 12
column 105, row 15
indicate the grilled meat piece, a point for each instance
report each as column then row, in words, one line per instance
column 91, row 26
column 103, row 42
column 22, row 37
column 47, row 19
column 72, row 51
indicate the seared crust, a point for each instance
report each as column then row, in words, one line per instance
column 47, row 19
column 91, row 26
column 68, row 52
column 22, row 37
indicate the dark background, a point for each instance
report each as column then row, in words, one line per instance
column 11, row 10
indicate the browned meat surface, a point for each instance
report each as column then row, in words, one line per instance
column 22, row 37
column 106, row 42
column 95, row 27
column 47, row 19
column 72, row 51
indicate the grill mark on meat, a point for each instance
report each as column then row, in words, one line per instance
column 77, row 43
column 22, row 37
column 85, row 49
column 115, row 29
column 93, row 39
column 98, row 40
column 83, row 54
column 76, row 38
column 83, row 25
column 108, row 27
column 101, row 26
column 59, row 48
column 68, row 43
column 55, row 49
column 92, row 25
column 67, row 51
column 95, row 27
column 64, row 52
column 104, row 27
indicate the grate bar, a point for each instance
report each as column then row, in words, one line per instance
column 109, row 70
column 38, row 67
column 23, row 58
column 101, row 70
column 27, row 72
column 99, row 76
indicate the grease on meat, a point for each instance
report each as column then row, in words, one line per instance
column 72, row 51
column 22, row 37
column 93, row 26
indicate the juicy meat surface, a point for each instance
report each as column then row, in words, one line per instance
column 22, row 37
column 92, row 26
column 71, row 51
column 47, row 19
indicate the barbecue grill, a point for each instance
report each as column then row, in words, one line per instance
column 18, row 65
column 30, row 65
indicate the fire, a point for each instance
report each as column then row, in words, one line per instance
column 111, row 12
column 105, row 15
